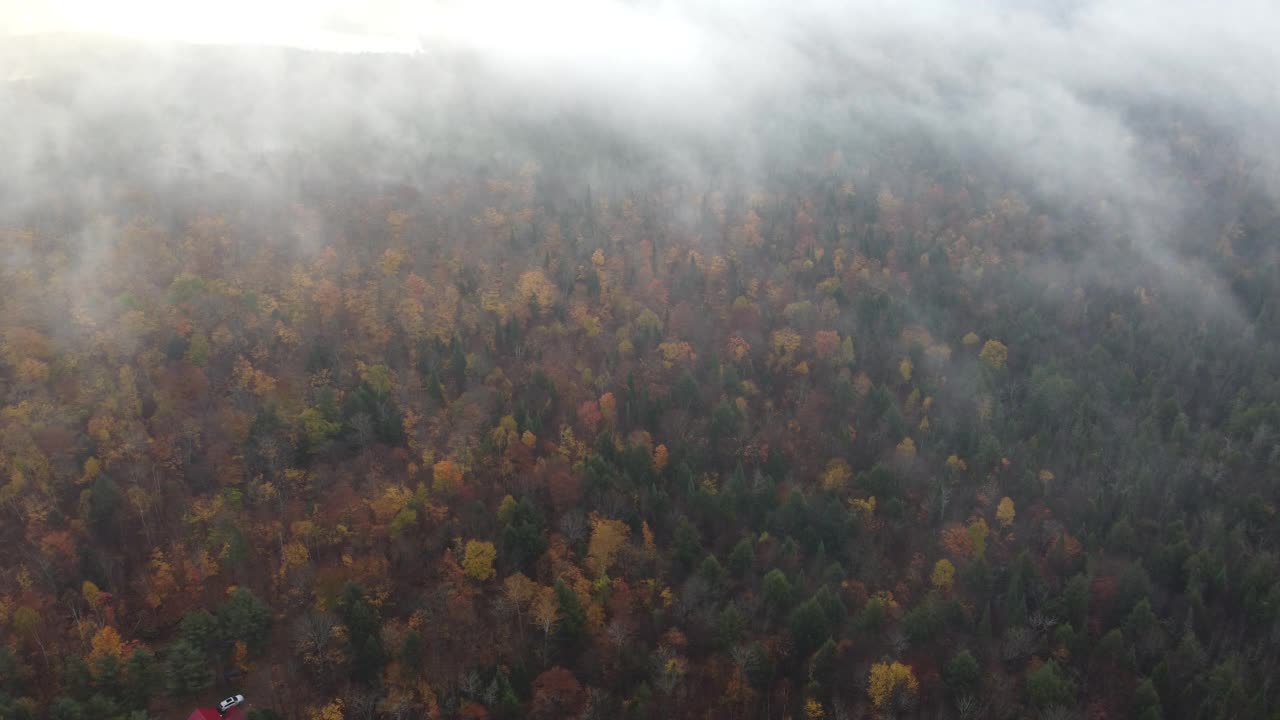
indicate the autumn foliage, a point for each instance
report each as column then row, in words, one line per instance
column 504, row 438
column 892, row 685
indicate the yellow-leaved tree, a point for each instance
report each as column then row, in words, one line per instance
column 836, row 477
column 520, row 592
column 978, row 536
column 607, row 538
column 332, row 711
column 892, row 685
column 506, row 508
column 1005, row 512
column 535, row 285
column 944, row 574
column 994, row 353
column 295, row 555
column 477, row 560
column 92, row 594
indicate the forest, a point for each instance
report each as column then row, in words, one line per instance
column 540, row 422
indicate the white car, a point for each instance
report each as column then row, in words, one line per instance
column 229, row 703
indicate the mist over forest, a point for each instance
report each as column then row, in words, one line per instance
column 640, row 359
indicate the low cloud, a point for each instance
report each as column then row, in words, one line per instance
column 1064, row 96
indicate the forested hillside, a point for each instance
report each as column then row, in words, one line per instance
column 552, row 425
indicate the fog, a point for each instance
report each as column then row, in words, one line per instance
column 1045, row 85
column 1062, row 97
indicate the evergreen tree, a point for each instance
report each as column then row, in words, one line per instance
column 187, row 669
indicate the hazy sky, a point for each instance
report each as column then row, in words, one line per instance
column 1033, row 82
column 1218, row 52
column 1044, row 88
column 559, row 26
column 293, row 23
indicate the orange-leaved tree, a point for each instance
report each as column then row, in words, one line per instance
column 607, row 538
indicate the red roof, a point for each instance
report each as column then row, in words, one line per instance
column 211, row 714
